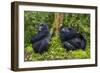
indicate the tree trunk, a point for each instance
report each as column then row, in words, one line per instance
column 58, row 21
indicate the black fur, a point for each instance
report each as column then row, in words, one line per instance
column 40, row 41
column 71, row 39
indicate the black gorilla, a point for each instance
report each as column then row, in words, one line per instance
column 71, row 39
column 40, row 41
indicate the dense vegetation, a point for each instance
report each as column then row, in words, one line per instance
column 81, row 22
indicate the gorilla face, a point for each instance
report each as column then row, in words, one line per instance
column 43, row 27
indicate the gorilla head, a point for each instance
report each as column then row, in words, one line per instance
column 67, row 33
column 43, row 27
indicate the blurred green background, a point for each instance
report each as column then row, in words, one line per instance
column 81, row 22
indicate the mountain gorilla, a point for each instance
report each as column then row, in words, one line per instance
column 71, row 39
column 40, row 41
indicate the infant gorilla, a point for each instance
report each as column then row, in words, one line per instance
column 40, row 41
column 71, row 39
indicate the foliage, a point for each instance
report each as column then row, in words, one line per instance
column 81, row 22
column 56, row 52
